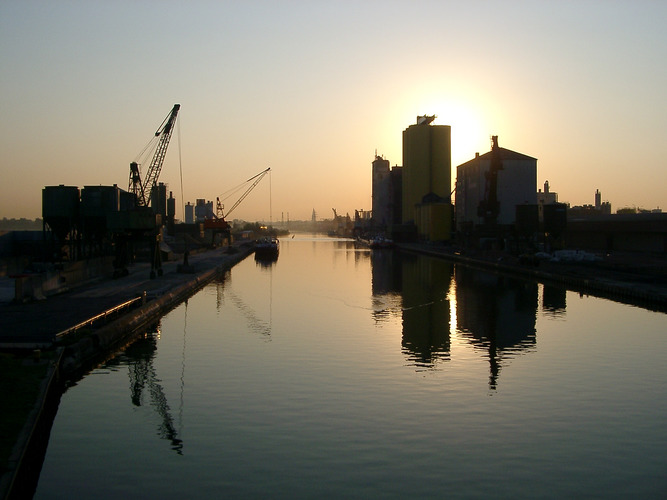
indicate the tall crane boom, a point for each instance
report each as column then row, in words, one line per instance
column 257, row 178
column 489, row 207
column 143, row 190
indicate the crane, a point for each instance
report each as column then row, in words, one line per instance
column 257, row 178
column 218, row 224
column 143, row 190
column 489, row 207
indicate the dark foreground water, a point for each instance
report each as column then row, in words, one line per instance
column 339, row 373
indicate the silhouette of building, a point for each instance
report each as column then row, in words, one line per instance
column 189, row 213
column 545, row 197
column 587, row 211
column 396, row 177
column 642, row 233
column 381, row 193
column 426, row 184
column 516, row 185
column 203, row 209
column 427, row 164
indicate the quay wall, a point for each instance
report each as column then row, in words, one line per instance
column 642, row 294
column 23, row 468
column 86, row 350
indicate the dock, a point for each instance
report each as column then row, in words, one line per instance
column 81, row 326
column 38, row 324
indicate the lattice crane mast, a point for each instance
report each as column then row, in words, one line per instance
column 143, row 190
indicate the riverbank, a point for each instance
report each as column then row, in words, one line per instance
column 32, row 378
column 627, row 278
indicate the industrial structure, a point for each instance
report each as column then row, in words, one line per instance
column 427, row 163
column 413, row 201
column 545, row 197
column 381, row 193
column 387, row 189
column 106, row 220
column 491, row 186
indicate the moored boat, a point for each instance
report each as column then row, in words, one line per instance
column 267, row 248
column 381, row 242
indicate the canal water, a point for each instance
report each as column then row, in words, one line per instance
column 335, row 372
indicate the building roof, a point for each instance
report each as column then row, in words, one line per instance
column 505, row 154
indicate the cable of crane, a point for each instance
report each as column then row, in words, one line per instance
column 180, row 166
column 235, row 189
column 256, row 179
column 230, row 192
column 148, row 151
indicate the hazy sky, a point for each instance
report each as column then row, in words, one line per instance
column 313, row 88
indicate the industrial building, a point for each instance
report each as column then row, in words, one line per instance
column 381, row 193
column 426, row 180
column 427, row 164
column 481, row 190
column 386, row 195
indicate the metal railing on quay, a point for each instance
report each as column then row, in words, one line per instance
column 101, row 316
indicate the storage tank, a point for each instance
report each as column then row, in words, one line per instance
column 60, row 208
column 171, row 207
column 159, row 200
column 98, row 201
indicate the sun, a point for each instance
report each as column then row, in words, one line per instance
column 469, row 134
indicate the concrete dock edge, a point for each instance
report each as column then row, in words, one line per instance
column 27, row 456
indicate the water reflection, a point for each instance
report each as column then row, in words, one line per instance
column 266, row 262
column 422, row 284
column 219, row 283
column 553, row 300
column 139, row 357
column 496, row 315
column 425, row 284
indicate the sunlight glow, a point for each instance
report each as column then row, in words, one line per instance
column 451, row 297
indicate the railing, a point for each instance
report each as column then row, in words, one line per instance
column 101, row 316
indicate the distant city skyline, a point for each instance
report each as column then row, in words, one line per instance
column 312, row 89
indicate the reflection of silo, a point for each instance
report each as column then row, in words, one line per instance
column 554, row 299
column 60, row 209
column 425, row 283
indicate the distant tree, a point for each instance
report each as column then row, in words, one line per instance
column 21, row 224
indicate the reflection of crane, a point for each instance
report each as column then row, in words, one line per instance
column 142, row 190
column 142, row 375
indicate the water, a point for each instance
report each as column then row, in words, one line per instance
column 338, row 373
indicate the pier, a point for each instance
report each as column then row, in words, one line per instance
column 85, row 324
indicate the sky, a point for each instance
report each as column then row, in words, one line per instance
column 312, row 89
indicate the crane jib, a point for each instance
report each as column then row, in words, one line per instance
column 143, row 190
